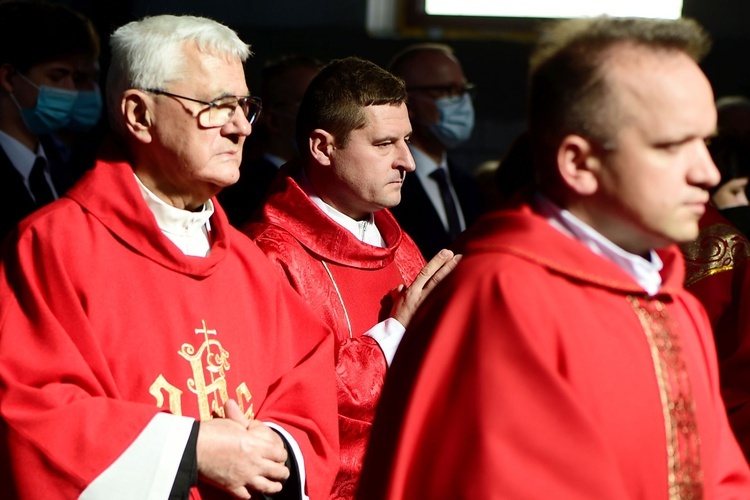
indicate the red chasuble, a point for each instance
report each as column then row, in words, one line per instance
column 541, row 370
column 719, row 276
column 104, row 323
column 347, row 283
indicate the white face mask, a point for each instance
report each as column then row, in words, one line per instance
column 456, row 120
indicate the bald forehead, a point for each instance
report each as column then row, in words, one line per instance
column 632, row 67
column 664, row 89
column 431, row 67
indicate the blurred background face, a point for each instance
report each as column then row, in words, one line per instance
column 87, row 74
column 60, row 73
column 731, row 194
column 431, row 76
column 731, row 154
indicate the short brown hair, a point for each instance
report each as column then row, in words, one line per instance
column 336, row 98
column 568, row 91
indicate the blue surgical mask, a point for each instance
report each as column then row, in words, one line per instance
column 86, row 111
column 456, row 120
column 52, row 111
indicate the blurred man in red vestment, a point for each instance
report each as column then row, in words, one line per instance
column 563, row 358
column 717, row 273
column 327, row 227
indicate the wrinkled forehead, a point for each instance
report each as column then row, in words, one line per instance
column 388, row 119
column 194, row 57
column 211, row 70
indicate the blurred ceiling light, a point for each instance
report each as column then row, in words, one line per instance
column 662, row 9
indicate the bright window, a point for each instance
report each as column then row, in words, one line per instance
column 664, row 9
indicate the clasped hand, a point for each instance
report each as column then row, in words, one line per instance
column 240, row 455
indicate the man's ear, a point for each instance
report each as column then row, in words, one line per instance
column 6, row 71
column 579, row 164
column 321, row 146
column 137, row 114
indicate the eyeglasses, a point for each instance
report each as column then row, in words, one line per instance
column 449, row 90
column 221, row 110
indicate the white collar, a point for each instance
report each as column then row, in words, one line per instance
column 365, row 231
column 20, row 156
column 188, row 230
column 644, row 271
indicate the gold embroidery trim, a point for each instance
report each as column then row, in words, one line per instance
column 685, row 474
column 718, row 248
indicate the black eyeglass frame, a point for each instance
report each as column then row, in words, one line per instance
column 254, row 103
column 467, row 88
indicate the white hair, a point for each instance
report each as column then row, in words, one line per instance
column 149, row 53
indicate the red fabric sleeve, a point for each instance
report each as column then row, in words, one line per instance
column 59, row 409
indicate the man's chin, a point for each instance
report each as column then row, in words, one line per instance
column 228, row 177
column 393, row 201
column 687, row 235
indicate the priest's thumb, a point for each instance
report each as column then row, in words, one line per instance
column 233, row 412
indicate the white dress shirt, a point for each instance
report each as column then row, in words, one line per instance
column 425, row 166
column 644, row 271
column 23, row 160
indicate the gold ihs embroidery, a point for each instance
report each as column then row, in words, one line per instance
column 175, row 395
column 243, row 396
column 209, row 363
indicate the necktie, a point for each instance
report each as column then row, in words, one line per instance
column 38, row 183
column 454, row 226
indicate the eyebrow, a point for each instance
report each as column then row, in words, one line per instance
column 392, row 138
column 229, row 94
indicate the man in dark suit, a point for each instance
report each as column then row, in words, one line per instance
column 440, row 200
column 41, row 92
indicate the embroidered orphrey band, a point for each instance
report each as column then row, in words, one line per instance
column 683, row 443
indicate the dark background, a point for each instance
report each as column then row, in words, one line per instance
column 329, row 29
